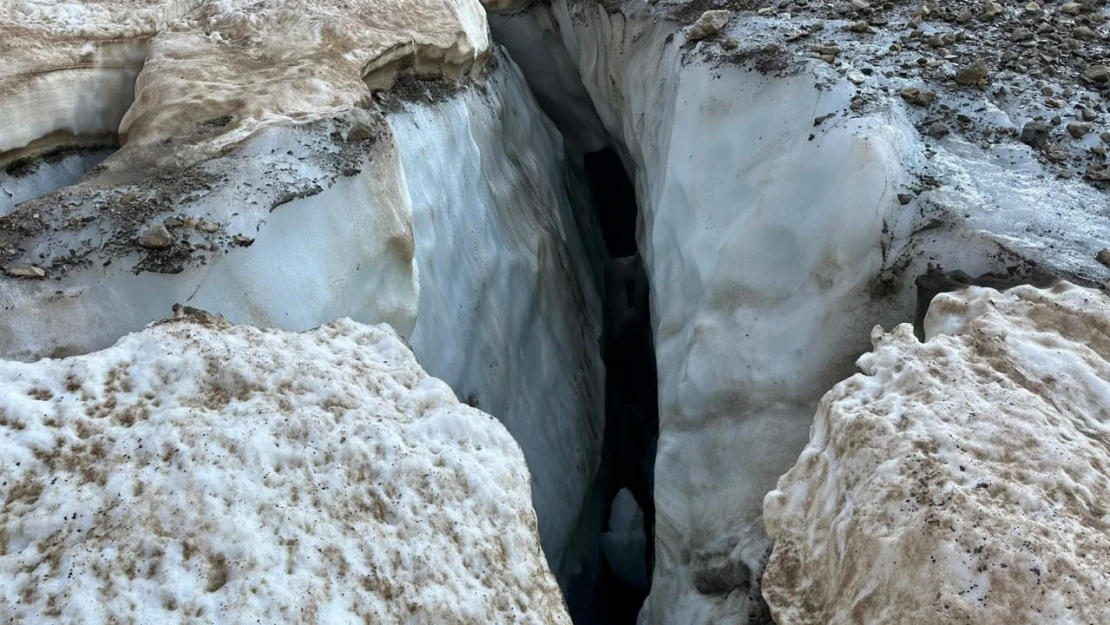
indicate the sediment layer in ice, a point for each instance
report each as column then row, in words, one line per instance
column 198, row 471
column 963, row 479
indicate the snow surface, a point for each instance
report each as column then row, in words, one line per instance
column 773, row 244
column 199, row 472
column 69, row 66
column 963, row 479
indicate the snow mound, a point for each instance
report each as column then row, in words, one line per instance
column 200, row 472
column 256, row 62
column 963, row 479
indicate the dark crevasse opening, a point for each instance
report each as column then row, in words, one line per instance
column 615, row 201
column 631, row 405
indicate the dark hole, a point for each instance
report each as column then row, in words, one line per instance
column 615, row 201
column 631, row 397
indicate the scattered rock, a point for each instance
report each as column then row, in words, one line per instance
column 904, row 198
column 709, row 24
column 208, row 226
column 27, row 271
column 1035, row 134
column 856, row 77
column 1104, row 257
column 156, row 237
column 860, row 27
column 243, row 241
column 1071, row 8
column 1078, row 129
column 972, row 74
column 991, row 10
column 1097, row 74
column 918, row 97
column 938, row 129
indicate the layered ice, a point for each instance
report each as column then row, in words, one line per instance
column 787, row 203
column 203, row 472
column 960, row 479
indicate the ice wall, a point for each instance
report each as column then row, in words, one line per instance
column 780, row 221
column 446, row 216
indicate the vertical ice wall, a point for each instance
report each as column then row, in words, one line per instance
column 773, row 243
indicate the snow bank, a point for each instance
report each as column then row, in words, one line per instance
column 299, row 183
column 787, row 203
column 197, row 471
column 963, row 479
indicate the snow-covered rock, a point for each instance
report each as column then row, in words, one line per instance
column 311, row 160
column 198, row 471
column 788, row 198
column 963, row 479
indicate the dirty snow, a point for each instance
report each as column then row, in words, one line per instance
column 199, row 472
column 963, row 479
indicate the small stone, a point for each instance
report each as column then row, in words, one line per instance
column 173, row 222
column 965, row 17
column 1084, row 33
column 917, row 97
column 972, row 74
column 1104, row 257
column 991, row 10
column 127, row 199
column 1078, row 129
column 156, row 237
column 1033, row 8
column 208, row 226
column 33, row 272
column 861, row 4
column 826, row 50
column 1105, row 137
column 860, row 27
column 1071, row 8
column 766, row 11
column 1035, row 134
column 1097, row 74
column 904, row 198
column 1047, row 91
column 243, row 241
column 709, row 24
column 938, row 129
column 1021, row 34
column 856, row 78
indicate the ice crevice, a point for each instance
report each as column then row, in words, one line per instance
column 778, row 223
column 647, row 257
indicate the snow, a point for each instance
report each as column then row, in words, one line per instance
column 974, row 464
column 447, row 218
column 199, row 471
column 261, row 63
column 774, row 243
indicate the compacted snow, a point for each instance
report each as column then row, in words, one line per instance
column 963, row 479
column 203, row 472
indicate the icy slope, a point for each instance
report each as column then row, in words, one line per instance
column 197, row 471
column 787, row 203
column 963, row 479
